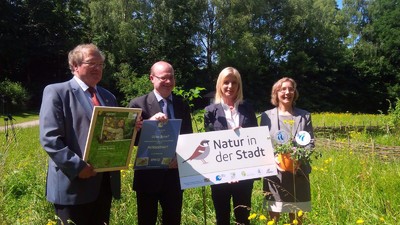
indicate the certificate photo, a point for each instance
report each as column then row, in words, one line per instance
column 111, row 137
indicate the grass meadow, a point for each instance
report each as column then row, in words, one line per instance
column 348, row 186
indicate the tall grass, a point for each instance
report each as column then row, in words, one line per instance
column 348, row 119
column 347, row 186
column 22, row 177
column 384, row 133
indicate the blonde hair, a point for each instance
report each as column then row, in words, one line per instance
column 278, row 85
column 228, row 71
column 76, row 55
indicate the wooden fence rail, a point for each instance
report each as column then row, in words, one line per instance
column 381, row 151
column 326, row 137
column 345, row 128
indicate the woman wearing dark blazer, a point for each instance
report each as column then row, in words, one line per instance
column 229, row 111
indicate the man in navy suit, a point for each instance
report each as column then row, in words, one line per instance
column 162, row 186
column 76, row 190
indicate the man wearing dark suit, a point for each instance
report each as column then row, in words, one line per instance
column 76, row 190
column 162, row 186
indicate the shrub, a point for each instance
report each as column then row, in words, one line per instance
column 13, row 94
column 394, row 113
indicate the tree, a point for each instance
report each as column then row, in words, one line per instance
column 375, row 52
column 35, row 39
column 313, row 52
column 246, row 41
column 384, row 32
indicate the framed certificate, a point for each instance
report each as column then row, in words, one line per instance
column 111, row 137
column 157, row 144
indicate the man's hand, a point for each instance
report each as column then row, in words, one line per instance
column 174, row 163
column 139, row 123
column 160, row 117
column 87, row 172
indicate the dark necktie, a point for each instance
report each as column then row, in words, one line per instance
column 93, row 96
column 164, row 107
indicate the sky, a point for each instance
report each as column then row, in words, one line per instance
column 339, row 2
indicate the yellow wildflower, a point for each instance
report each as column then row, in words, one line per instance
column 271, row 222
column 300, row 213
column 382, row 219
column 360, row 221
column 252, row 216
column 51, row 222
column 295, row 222
column 262, row 217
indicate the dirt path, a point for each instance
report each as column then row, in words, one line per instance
column 22, row 125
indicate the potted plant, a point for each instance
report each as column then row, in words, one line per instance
column 290, row 154
column 284, row 159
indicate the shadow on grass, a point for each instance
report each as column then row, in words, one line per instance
column 20, row 117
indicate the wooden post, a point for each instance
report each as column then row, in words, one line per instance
column 348, row 139
column 373, row 146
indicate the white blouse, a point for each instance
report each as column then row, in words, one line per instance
column 232, row 116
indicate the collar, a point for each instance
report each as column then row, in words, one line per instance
column 226, row 107
column 82, row 84
column 159, row 98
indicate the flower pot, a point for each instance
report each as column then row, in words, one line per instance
column 286, row 163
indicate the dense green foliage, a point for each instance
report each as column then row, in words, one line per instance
column 344, row 59
column 14, row 93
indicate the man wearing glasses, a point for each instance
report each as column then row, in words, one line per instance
column 78, row 193
column 162, row 186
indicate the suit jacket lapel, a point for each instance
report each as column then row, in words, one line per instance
column 221, row 115
column 154, row 106
column 297, row 121
column 104, row 97
column 178, row 106
column 81, row 98
column 275, row 117
column 242, row 113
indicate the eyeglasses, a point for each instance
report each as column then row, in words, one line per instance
column 93, row 64
column 285, row 89
column 163, row 79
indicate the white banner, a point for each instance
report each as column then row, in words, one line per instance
column 224, row 156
